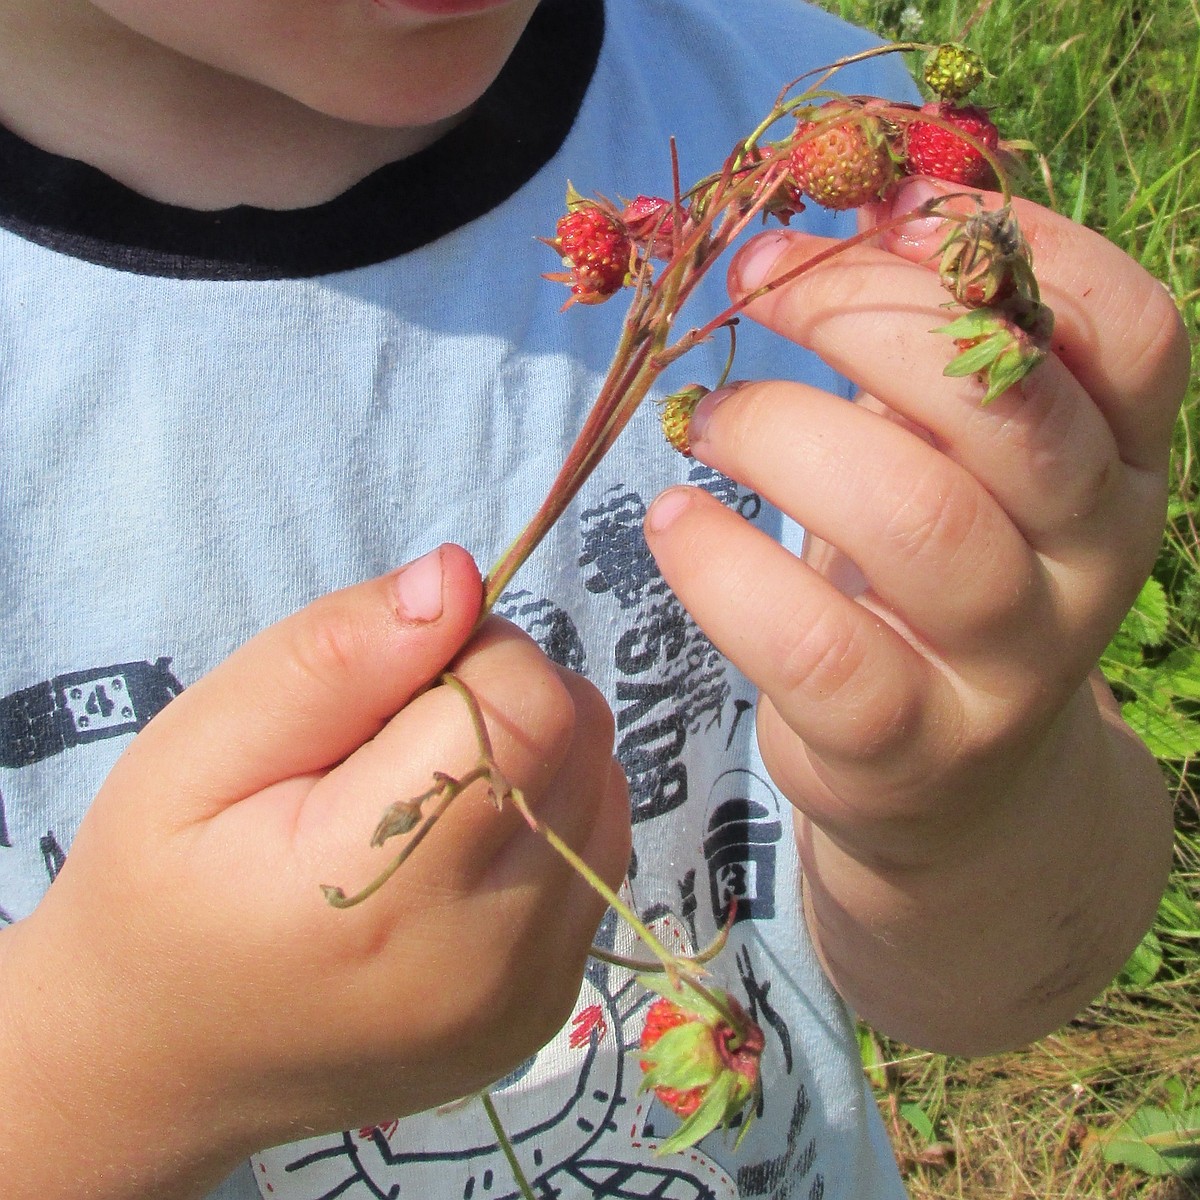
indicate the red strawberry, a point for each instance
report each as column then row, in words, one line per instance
column 842, row 163
column 661, row 1016
column 701, row 1059
column 596, row 248
column 935, row 150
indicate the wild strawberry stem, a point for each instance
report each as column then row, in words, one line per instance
column 447, row 790
column 679, row 970
column 929, row 208
column 506, row 1146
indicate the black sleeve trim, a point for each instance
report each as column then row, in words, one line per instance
column 514, row 130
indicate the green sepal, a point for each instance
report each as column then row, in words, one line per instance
column 684, row 1057
column 716, row 1109
column 749, row 1113
column 682, row 996
column 977, row 323
column 574, row 198
column 1008, row 369
column 978, row 357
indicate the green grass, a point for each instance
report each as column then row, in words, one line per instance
column 1107, row 1108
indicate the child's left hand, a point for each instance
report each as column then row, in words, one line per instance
column 983, row 839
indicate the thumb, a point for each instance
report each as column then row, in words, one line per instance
column 309, row 690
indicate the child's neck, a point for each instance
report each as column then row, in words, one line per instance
column 171, row 128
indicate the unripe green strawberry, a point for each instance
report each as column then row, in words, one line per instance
column 842, row 163
column 935, row 150
column 677, row 416
column 952, row 71
column 701, row 1058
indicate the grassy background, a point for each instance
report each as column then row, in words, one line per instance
column 1109, row 1107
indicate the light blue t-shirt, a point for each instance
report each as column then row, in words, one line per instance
column 211, row 419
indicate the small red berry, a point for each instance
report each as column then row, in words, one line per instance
column 842, row 163
column 596, row 249
column 940, row 152
column 701, row 1059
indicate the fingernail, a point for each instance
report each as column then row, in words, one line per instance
column 752, row 267
column 698, row 425
column 418, row 589
column 664, row 511
column 912, row 195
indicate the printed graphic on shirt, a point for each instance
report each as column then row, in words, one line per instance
column 80, row 707
column 573, row 1112
column 672, row 682
column 71, row 710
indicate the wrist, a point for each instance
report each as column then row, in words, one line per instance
column 992, row 940
column 74, row 1059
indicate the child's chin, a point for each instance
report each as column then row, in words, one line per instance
column 447, row 8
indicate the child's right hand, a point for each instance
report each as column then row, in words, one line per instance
column 184, row 995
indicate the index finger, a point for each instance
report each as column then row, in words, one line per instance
column 1117, row 328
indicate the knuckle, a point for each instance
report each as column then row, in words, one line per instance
column 324, row 645
column 883, row 726
column 939, row 517
column 819, row 658
column 1159, row 345
column 593, row 716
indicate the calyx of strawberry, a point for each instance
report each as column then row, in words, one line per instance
column 997, row 347
column 986, row 265
column 700, row 1056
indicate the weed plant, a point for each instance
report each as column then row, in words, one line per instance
column 1108, row 1108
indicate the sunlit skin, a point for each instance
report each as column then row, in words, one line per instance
column 984, row 840
column 279, row 103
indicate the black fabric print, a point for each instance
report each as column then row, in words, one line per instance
column 740, row 841
column 611, row 1180
column 615, row 549
column 673, row 682
column 688, row 904
column 5, row 840
column 779, row 1177
column 746, row 504
column 52, row 854
column 548, row 625
column 82, row 706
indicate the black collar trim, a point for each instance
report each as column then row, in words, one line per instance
column 513, row 131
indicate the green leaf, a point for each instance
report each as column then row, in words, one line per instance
column 918, row 1118
column 1156, row 1141
column 711, row 1113
column 1179, row 673
column 1178, row 913
column 871, row 1054
column 1168, row 734
column 1143, row 964
column 1147, row 621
